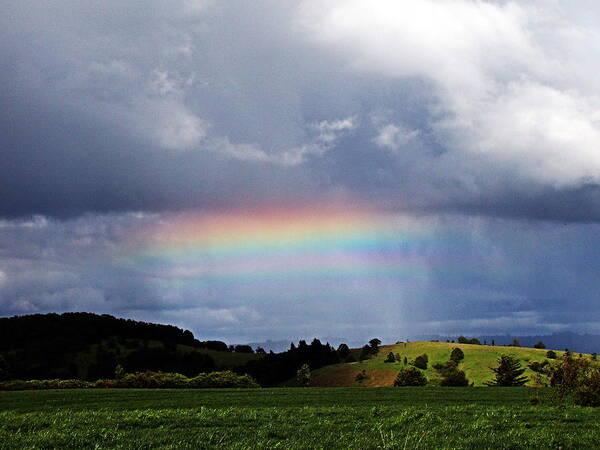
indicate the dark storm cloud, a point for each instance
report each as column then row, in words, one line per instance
column 118, row 114
column 118, row 106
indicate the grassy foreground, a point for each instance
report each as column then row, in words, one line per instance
column 292, row 418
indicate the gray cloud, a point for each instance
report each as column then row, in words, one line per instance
column 478, row 118
column 127, row 107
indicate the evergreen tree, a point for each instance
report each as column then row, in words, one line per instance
column 343, row 351
column 303, row 375
column 508, row 373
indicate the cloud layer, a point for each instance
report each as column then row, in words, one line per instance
column 480, row 118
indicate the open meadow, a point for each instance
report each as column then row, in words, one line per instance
column 426, row 417
column 478, row 359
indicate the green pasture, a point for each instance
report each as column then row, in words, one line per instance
column 476, row 364
column 359, row 418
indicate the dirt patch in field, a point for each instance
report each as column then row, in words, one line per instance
column 343, row 376
column 339, row 376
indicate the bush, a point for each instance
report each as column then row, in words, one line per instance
column 539, row 367
column 421, row 362
column 539, row 345
column 361, row 376
column 576, row 380
column 410, row 377
column 551, row 354
column 457, row 355
column 454, row 378
column 146, row 379
column 390, row 358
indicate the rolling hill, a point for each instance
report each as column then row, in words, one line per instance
column 89, row 346
column 476, row 364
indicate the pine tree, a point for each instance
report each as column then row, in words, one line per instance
column 303, row 375
column 508, row 373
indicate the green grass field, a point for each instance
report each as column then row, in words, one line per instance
column 477, row 363
column 293, row 418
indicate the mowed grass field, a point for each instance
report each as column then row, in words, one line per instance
column 477, row 363
column 429, row 417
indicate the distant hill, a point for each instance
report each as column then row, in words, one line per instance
column 476, row 364
column 89, row 346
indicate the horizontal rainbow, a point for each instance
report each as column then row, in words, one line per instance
column 285, row 244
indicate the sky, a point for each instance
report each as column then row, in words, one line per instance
column 289, row 169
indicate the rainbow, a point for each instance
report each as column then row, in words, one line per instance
column 306, row 244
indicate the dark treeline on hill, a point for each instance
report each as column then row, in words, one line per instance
column 275, row 368
column 89, row 346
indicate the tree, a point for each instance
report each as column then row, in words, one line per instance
column 539, row 345
column 457, row 355
column 390, row 358
column 303, row 375
column 515, row 342
column 551, row 354
column 493, row 343
column 508, row 372
column 243, row 349
column 260, row 351
column 3, row 369
column 410, row 377
column 374, row 343
column 405, row 360
column 343, row 351
column 365, row 353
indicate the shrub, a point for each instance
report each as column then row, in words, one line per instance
column 421, row 362
column 551, row 354
column 539, row 367
column 508, row 372
column 390, row 358
column 361, row 376
column 539, row 345
column 410, row 377
column 454, row 378
column 576, row 380
column 457, row 355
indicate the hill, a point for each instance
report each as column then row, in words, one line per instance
column 476, row 364
column 89, row 346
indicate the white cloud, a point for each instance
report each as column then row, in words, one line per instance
column 328, row 134
column 507, row 91
column 394, row 137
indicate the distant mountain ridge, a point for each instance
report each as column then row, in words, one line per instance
column 582, row 343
